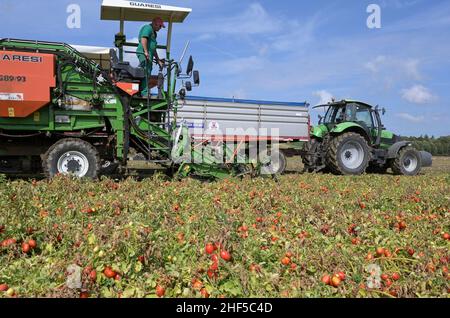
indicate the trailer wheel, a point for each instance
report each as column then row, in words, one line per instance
column 408, row 162
column 348, row 154
column 277, row 162
column 72, row 157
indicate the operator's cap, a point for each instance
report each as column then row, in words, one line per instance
column 159, row 21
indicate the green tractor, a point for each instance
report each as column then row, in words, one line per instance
column 351, row 140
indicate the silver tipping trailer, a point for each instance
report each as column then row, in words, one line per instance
column 237, row 119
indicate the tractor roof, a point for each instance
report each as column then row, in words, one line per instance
column 343, row 103
column 120, row 10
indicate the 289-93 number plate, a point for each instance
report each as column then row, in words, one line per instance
column 13, row 78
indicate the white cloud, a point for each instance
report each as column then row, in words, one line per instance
column 389, row 67
column 325, row 97
column 252, row 21
column 418, row 94
column 411, row 118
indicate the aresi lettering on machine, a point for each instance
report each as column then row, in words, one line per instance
column 20, row 58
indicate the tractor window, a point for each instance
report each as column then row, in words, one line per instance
column 363, row 115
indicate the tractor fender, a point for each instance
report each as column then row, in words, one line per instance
column 395, row 148
column 427, row 159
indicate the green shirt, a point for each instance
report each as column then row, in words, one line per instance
column 147, row 32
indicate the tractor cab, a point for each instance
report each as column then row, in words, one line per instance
column 358, row 116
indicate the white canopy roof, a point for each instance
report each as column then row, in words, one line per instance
column 98, row 54
column 118, row 10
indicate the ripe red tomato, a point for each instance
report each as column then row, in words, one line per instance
column 289, row 254
column 384, row 277
column 197, row 284
column 32, row 244
column 388, row 283
column 84, row 295
column 326, row 279
column 226, row 256
column 204, row 293
column 8, row 242
column 387, row 253
column 209, row 249
column 211, row 273
column 215, row 258
column 446, row 236
column 396, row 276
column 341, row 276
column 25, row 248
column 141, row 259
column 93, row 275
column 411, row 251
column 335, row 281
column 109, row 273
column 4, row 287
column 160, row 291
column 286, row 261
column 214, row 266
column 380, row 251
column 402, row 225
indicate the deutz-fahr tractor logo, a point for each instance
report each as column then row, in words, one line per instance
column 20, row 58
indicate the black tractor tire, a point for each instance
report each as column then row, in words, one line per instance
column 278, row 164
column 309, row 160
column 408, row 162
column 82, row 159
column 348, row 154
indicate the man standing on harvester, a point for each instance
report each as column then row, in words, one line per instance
column 147, row 50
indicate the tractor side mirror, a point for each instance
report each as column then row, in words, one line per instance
column 188, row 86
column 383, row 111
column 196, row 78
column 190, row 66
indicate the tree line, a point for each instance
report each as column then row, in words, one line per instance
column 436, row 146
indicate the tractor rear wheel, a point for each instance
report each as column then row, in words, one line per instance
column 309, row 157
column 72, row 157
column 348, row 154
column 408, row 162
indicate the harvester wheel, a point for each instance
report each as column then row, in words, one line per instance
column 348, row 154
column 72, row 156
column 277, row 163
column 408, row 162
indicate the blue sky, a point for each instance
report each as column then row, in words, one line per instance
column 290, row 50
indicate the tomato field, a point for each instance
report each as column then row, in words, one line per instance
column 299, row 236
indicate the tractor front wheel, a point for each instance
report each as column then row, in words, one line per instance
column 348, row 154
column 72, row 157
column 408, row 162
